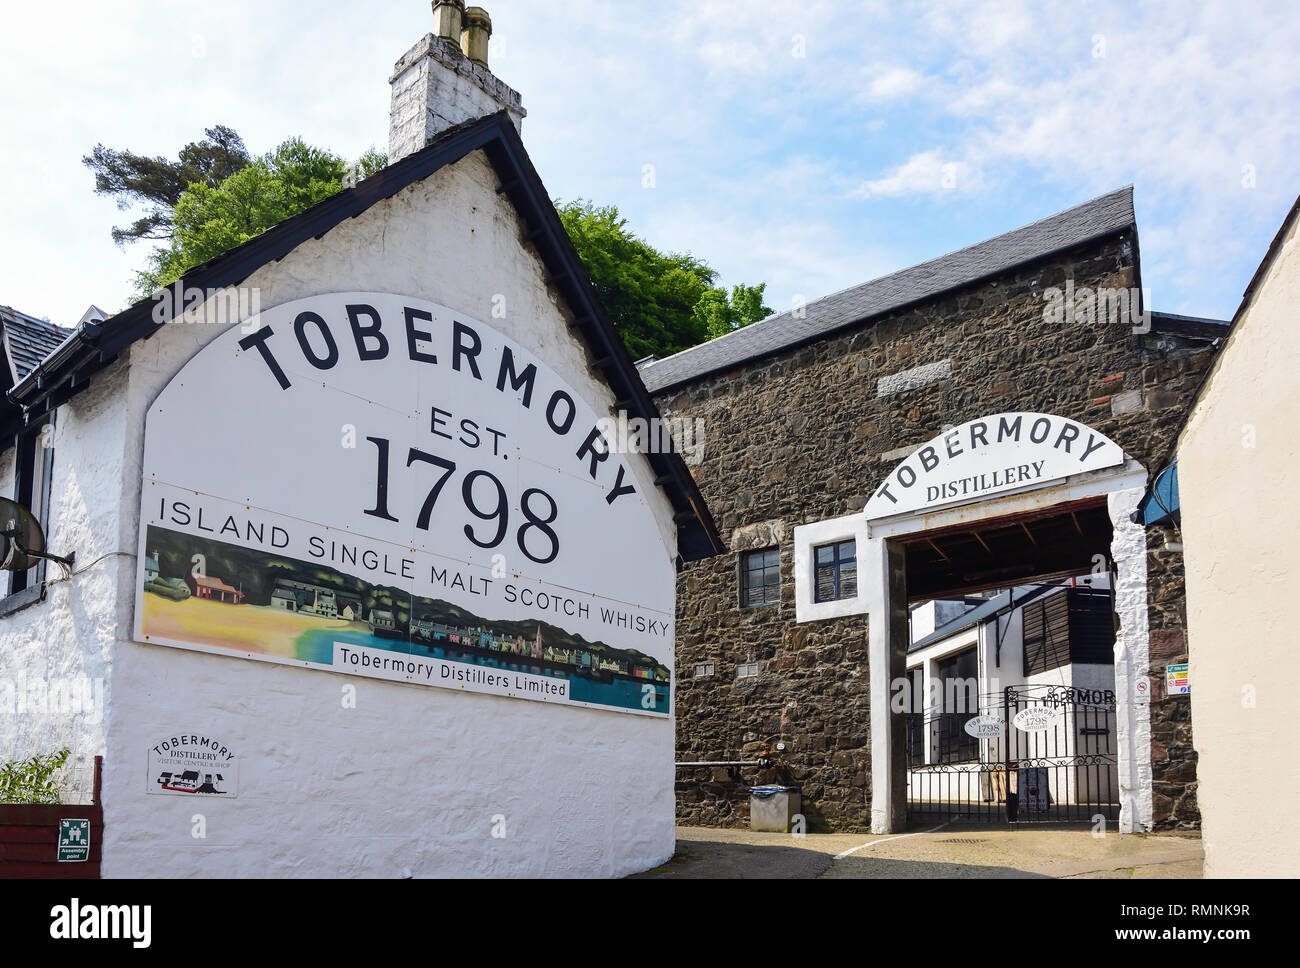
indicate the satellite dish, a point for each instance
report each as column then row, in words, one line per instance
column 22, row 543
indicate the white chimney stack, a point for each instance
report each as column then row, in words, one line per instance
column 444, row 80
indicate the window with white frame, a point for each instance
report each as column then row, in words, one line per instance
column 835, row 571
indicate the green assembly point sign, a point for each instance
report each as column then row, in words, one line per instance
column 74, row 840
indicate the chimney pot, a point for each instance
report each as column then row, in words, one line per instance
column 437, row 85
column 476, row 34
column 448, row 19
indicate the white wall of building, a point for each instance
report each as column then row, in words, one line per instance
column 412, row 780
column 1237, row 469
column 56, row 657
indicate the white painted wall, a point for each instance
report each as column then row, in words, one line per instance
column 1237, row 471
column 64, row 647
column 928, row 616
column 411, row 779
column 1128, row 549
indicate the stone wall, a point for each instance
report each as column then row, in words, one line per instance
column 810, row 694
column 808, row 434
column 1170, row 381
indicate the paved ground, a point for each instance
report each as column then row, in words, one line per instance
column 950, row 852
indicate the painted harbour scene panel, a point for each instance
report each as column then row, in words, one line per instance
column 207, row 593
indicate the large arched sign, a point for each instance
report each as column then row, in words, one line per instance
column 372, row 484
column 992, row 455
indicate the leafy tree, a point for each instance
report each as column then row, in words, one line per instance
column 368, row 164
column 719, row 315
column 215, row 197
column 660, row 303
column 157, row 183
column 209, row 220
column 649, row 296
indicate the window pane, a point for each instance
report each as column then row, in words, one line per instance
column 849, row 581
column 760, row 577
column 825, row 555
column 848, row 551
column 826, row 584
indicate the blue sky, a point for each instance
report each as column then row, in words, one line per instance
column 809, row 145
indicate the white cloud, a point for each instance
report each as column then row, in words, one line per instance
column 927, row 173
column 733, row 56
column 893, row 82
column 746, row 137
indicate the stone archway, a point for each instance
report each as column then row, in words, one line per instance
column 1005, row 467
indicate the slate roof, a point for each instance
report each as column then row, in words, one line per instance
column 1093, row 220
column 28, row 340
column 1023, row 594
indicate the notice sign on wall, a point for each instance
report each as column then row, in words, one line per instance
column 376, row 485
column 1178, row 681
column 74, row 841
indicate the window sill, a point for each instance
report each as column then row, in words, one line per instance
column 21, row 600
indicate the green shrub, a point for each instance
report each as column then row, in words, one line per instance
column 32, row 780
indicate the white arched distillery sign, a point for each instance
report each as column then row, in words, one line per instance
column 989, row 469
column 375, row 485
column 993, row 455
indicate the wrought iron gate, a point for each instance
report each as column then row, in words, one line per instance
column 1052, row 761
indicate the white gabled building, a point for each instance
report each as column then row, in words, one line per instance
column 437, row 302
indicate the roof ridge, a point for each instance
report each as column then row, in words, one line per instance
column 966, row 248
column 880, row 282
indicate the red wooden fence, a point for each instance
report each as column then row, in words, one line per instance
column 29, row 838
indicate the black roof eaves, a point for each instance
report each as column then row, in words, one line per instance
column 698, row 538
column 877, row 316
column 94, row 346
column 1189, row 327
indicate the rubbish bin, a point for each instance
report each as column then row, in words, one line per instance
column 773, row 808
